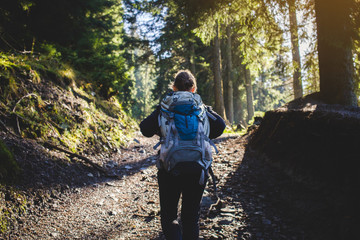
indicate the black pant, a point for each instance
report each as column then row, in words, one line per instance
column 170, row 188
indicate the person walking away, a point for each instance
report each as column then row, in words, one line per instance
column 185, row 131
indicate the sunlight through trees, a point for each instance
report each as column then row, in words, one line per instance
column 248, row 56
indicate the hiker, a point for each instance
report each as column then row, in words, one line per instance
column 186, row 178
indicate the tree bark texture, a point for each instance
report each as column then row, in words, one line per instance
column 335, row 51
column 297, row 83
column 249, row 94
column 218, row 85
column 230, row 97
column 238, row 111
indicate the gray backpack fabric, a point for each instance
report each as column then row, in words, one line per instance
column 185, row 128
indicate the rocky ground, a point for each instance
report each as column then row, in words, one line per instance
column 74, row 201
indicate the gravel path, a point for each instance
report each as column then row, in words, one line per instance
column 257, row 202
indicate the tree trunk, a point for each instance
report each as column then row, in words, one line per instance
column 238, row 112
column 297, row 84
column 230, row 97
column 190, row 40
column 335, row 51
column 249, row 94
column 218, row 85
column 192, row 57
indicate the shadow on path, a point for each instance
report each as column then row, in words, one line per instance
column 52, row 170
column 277, row 207
column 44, row 170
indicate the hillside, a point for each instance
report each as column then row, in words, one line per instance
column 53, row 134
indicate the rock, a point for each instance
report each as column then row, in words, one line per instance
column 214, row 236
column 54, row 234
column 112, row 213
column 228, row 210
column 101, row 202
column 111, row 164
column 227, row 214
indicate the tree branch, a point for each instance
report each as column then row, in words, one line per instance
column 85, row 159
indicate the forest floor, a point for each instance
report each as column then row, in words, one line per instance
column 257, row 201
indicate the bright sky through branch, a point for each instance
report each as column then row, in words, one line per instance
column 147, row 28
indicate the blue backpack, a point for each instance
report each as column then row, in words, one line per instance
column 185, row 128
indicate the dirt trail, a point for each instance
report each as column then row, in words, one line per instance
column 257, row 203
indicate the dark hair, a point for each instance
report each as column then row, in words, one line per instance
column 184, row 81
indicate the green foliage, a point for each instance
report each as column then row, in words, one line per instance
column 56, row 122
column 87, row 34
column 178, row 47
column 32, row 67
column 312, row 75
column 258, row 44
column 233, row 129
column 9, row 168
column 4, row 223
column 271, row 88
column 144, row 84
column 92, row 118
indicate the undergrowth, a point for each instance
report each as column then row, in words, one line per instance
column 12, row 203
column 49, row 101
column 46, row 100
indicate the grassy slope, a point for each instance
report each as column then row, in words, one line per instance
column 47, row 101
column 43, row 96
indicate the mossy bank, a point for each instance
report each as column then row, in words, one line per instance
column 45, row 101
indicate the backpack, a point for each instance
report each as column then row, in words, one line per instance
column 185, row 129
